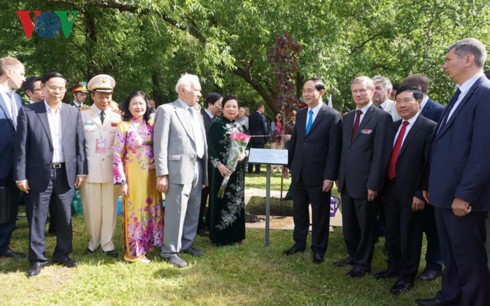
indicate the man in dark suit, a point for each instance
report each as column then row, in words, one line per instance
column 367, row 136
column 11, row 78
column 402, row 192
column 433, row 111
column 49, row 163
column 32, row 88
column 209, row 114
column 258, row 126
column 459, row 179
column 313, row 156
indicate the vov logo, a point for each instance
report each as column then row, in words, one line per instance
column 47, row 24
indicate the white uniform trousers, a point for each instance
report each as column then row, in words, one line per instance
column 100, row 210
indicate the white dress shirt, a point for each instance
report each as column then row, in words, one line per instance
column 315, row 110
column 411, row 121
column 54, row 120
column 464, row 88
column 363, row 110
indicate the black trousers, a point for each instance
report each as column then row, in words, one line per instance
column 320, row 206
column 465, row 278
column 403, row 234
column 257, row 166
column 37, row 204
column 433, row 257
column 7, row 228
column 359, row 228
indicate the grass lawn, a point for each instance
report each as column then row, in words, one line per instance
column 246, row 274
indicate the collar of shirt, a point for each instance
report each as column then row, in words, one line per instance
column 211, row 116
column 78, row 105
column 365, row 108
column 184, row 105
column 49, row 109
column 411, row 121
column 467, row 85
column 3, row 90
column 315, row 109
column 106, row 112
column 424, row 102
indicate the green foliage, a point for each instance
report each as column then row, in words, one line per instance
column 147, row 44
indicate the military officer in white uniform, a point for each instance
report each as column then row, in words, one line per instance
column 99, row 197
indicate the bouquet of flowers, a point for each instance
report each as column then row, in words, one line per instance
column 239, row 142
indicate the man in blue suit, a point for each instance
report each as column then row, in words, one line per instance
column 433, row 111
column 49, row 163
column 459, row 179
column 11, row 78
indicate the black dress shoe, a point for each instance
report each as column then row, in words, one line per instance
column 357, row 272
column 66, row 262
column 429, row 302
column 9, row 253
column 429, row 274
column 343, row 263
column 111, row 253
column 193, row 252
column 386, row 274
column 88, row 251
column 293, row 250
column 401, row 287
column 317, row 258
column 36, row 268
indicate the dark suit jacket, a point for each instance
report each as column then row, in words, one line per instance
column 364, row 162
column 257, row 126
column 7, row 138
column 315, row 157
column 411, row 160
column 432, row 110
column 460, row 160
column 34, row 147
column 206, row 119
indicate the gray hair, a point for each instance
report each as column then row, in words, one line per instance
column 470, row 46
column 187, row 81
column 365, row 80
column 381, row 79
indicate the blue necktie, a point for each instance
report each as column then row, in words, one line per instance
column 310, row 121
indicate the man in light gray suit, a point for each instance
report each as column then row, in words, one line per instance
column 181, row 166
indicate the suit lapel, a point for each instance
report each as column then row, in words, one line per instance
column 318, row 119
column 367, row 116
column 4, row 108
column 460, row 106
column 413, row 131
column 181, row 114
column 65, row 116
column 43, row 118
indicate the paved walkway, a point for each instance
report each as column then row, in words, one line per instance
column 280, row 222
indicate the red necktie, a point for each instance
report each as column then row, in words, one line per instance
column 396, row 151
column 356, row 125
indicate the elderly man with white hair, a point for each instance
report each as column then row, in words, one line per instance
column 181, row 166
